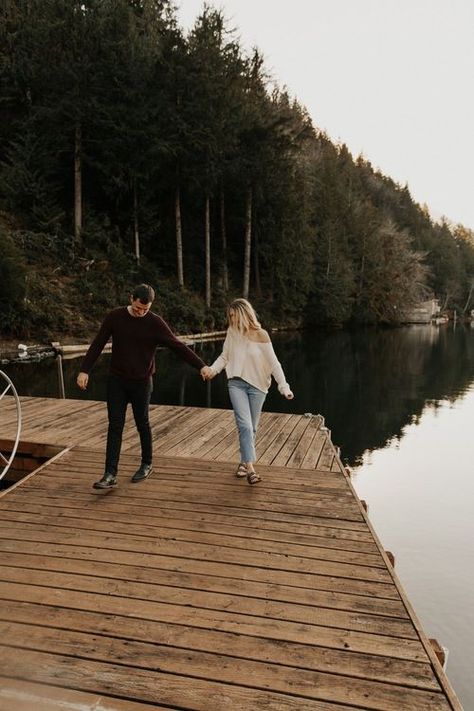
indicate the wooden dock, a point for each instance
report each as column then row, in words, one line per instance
column 193, row 590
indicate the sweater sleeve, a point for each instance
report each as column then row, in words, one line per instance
column 168, row 339
column 221, row 362
column 97, row 345
column 276, row 370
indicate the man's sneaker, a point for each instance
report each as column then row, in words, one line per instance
column 142, row 473
column 107, row 482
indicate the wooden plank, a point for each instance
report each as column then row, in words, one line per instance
column 164, row 424
column 281, row 459
column 247, row 542
column 20, row 695
column 199, row 581
column 185, row 430
column 218, row 668
column 229, row 449
column 193, row 467
column 272, row 577
column 245, row 514
column 149, row 686
column 196, row 440
column 266, row 437
column 146, row 524
column 215, row 619
column 315, row 658
column 33, row 449
column 305, row 443
column 205, row 552
column 247, row 498
column 11, row 489
column 194, row 587
column 168, row 480
column 224, row 602
column 327, row 456
column 227, row 426
column 152, row 509
column 313, row 453
column 268, row 456
column 76, row 421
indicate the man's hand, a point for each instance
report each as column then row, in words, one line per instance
column 82, row 380
column 207, row 373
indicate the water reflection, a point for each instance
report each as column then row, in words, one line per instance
column 420, row 492
column 368, row 384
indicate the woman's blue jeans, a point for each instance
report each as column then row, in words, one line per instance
column 247, row 402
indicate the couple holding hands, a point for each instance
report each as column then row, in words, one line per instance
column 247, row 357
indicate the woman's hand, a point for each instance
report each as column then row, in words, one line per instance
column 207, row 373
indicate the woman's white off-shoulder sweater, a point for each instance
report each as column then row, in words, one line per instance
column 252, row 361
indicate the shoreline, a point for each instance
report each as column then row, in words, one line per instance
column 15, row 352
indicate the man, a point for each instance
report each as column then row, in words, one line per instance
column 135, row 332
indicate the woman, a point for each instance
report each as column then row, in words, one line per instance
column 250, row 361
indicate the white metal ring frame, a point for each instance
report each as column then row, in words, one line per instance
column 4, row 461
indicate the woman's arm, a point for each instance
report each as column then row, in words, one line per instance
column 221, row 362
column 275, row 366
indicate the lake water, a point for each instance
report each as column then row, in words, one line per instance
column 400, row 404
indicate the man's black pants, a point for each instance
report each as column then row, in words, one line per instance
column 120, row 392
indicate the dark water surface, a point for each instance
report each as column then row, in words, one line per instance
column 400, row 404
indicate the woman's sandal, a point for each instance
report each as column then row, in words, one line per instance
column 253, row 478
column 241, row 471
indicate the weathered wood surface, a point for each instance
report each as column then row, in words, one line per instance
column 207, row 433
column 193, row 590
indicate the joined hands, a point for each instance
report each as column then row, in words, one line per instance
column 207, row 373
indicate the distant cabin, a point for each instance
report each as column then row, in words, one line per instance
column 424, row 312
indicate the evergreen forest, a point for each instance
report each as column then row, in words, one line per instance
column 131, row 151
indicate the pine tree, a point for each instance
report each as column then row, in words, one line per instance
column 215, row 81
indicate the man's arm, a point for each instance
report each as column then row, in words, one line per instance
column 95, row 349
column 82, row 380
column 168, row 339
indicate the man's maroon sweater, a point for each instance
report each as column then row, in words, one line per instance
column 134, row 342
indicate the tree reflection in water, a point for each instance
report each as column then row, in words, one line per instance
column 368, row 384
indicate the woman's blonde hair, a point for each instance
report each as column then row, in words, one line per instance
column 245, row 317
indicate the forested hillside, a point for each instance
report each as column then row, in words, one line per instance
column 130, row 152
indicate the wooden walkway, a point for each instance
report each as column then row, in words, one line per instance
column 192, row 590
column 207, row 433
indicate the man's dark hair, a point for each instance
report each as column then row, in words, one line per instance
column 144, row 292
